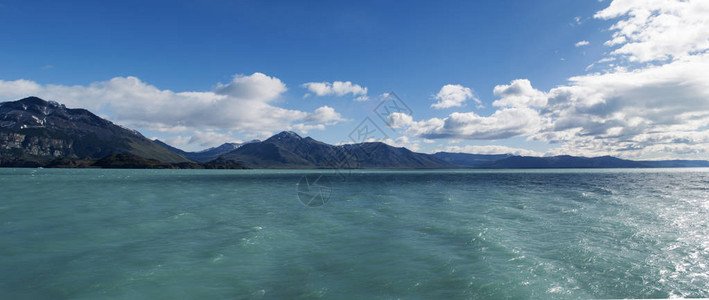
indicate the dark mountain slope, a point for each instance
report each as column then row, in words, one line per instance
column 289, row 150
column 205, row 155
column 283, row 150
column 380, row 155
column 564, row 161
column 38, row 131
column 171, row 148
column 467, row 160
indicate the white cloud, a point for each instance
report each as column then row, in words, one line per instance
column 199, row 140
column 454, row 95
column 324, row 114
column 581, row 44
column 255, row 86
column 634, row 110
column 519, row 93
column 615, row 113
column 242, row 105
column 402, row 141
column 207, row 139
column 337, row 88
column 652, row 30
column 399, row 120
column 13, row 90
column 305, row 128
column 175, row 141
column 504, row 123
column 491, row 149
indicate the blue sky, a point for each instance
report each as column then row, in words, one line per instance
column 162, row 66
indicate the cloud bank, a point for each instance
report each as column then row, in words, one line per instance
column 245, row 104
column 655, row 105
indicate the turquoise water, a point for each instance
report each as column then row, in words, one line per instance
column 244, row 234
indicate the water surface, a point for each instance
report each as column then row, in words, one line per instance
column 244, row 234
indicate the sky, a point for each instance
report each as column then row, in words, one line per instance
column 628, row 78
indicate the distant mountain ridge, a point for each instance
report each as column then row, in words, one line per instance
column 207, row 154
column 470, row 160
column 507, row 161
column 289, row 150
column 35, row 132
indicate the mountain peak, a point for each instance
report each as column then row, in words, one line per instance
column 33, row 100
column 226, row 147
column 34, row 105
column 286, row 135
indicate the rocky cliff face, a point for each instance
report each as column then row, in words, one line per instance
column 34, row 145
column 35, row 130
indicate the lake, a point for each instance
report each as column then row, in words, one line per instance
column 366, row 234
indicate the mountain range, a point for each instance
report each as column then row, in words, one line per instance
column 207, row 154
column 35, row 132
column 507, row 161
column 289, row 150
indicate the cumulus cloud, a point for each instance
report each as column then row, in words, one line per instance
column 175, row 141
column 209, row 138
column 199, row 139
column 305, row 128
column 581, row 44
column 658, row 29
column 634, row 110
column 337, row 88
column 324, row 114
column 244, row 104
column 19, row 88
column 255, row 86
column 645, row 112
column 519, row 93
column 504, row 123
column 632, row 113
column 402, row 141
column 399, row 120
column 454, row 95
